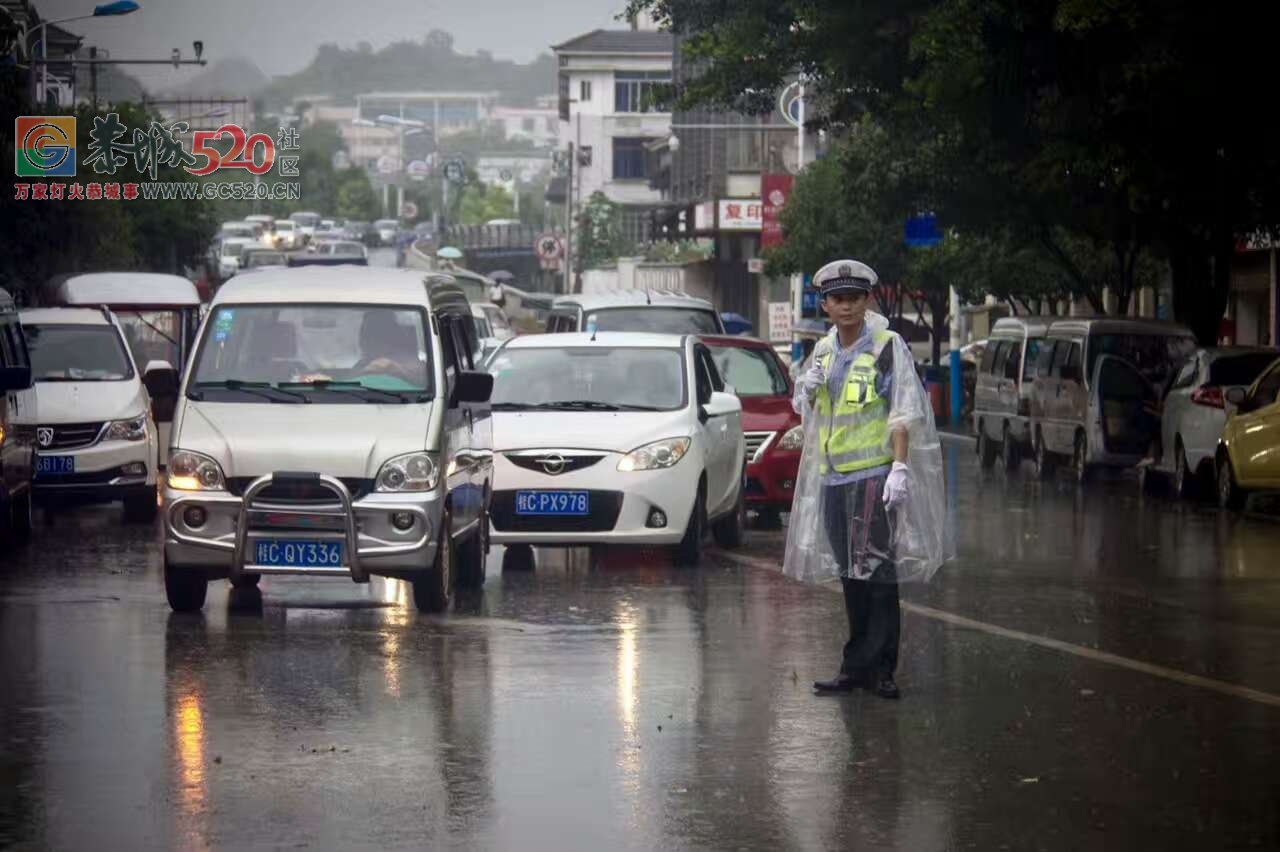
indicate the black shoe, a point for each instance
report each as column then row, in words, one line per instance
column 886, row 688
column 839, row 684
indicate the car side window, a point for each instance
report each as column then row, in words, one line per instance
column 989, row 357
column 7, row 353
column 702, row 378
column 1187, row 374
column 464, row 342
column 447, row 343
column 1002, row 352
column 1034, row 345
column 1044, row 363
column 717, row 380
column 1268, row 389
column 1060, row 353
column 1013, row 361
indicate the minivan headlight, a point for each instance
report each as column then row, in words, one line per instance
column 133, row 429
column 793, row 440
column 194, row 472
column 412, row 472
column 655, row 456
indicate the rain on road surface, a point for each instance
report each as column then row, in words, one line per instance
column 1096, row 670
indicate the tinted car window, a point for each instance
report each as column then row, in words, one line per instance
column 657, row 320
column 1045, row 360
column 752, row 372
column 1155, row 356
column 1060, row 353
column 1240, row 369
column 1034, row 345
column 1268, row 388
column 1013, row 361
column 1002, row 353
column 989, row 356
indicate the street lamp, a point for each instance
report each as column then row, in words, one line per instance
column 106, row 10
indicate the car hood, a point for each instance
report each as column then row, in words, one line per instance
column 619, row 432
column 88, row 402
column 253, row 440
column 767, row 414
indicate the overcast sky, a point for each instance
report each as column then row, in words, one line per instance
column 281, row 36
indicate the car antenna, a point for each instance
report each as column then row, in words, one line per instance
column 648, row 300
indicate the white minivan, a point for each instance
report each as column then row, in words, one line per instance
column 331, row 424
column 96, row 440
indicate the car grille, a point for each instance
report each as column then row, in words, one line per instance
column 71, row 436
column 535, row 462
column 604, row 505
column 299, row 492
column 755, row 442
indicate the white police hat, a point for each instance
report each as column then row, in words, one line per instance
column 845, row 276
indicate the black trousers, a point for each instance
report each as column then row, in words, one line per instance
column 857, row 528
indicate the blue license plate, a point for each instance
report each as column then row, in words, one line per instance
column 55, row 465
column 297, row 553
column 552, row 503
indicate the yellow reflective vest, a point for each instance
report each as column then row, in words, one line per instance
column 854, row 429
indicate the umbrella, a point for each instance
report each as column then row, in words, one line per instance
column 449, row 253
column 735, row 323
column 501, row 275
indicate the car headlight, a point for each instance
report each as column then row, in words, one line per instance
column 133, row 429
column 655, row 456
column 413, row 472
column 793, row 440
column 194, row 472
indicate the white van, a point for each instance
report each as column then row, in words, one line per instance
column 331, row 424
column 17, row 425
column 96, row 440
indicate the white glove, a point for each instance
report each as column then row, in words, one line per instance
column 807, row 385
column 895, row 486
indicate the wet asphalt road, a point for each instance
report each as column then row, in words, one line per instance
column 1096, row 671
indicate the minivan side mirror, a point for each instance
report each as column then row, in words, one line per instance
column 161, row 381
column 15, row 379
column 473, row 386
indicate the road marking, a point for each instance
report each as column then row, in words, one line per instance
column 1185, row 678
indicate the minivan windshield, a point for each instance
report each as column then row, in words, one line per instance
column 656, row 320
column 588, row 379
column 314, row 353
column 752, row 372
column 77, row 353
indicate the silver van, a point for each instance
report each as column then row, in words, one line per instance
column 17, row 425
column 1097, row 386
column 655, row 311
column 332, row 423
column 1002, row 390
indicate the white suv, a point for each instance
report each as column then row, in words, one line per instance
column 614, row 438
column 96, row 440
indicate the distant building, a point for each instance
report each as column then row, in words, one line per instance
column 539, row 126
column 610, row 110
column 442, row 113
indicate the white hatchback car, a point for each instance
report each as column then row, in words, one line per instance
column 614, row 438
column 96, row 440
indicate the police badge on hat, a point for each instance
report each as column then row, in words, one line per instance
column 845, row 276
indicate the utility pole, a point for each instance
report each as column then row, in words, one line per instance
column 93, row 79
column 568, row 223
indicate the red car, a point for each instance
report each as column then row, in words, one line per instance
column 772, row 429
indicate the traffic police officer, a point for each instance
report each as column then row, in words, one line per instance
column 863, row 467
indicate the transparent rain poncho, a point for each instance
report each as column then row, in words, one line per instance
column 918, row 535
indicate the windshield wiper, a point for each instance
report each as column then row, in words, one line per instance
column 263, row 389
column 588, row 404
column 510, row 406
column 331, row 385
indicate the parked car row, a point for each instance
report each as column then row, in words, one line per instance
column 1083, row 394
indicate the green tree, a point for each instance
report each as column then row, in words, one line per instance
column 480, row 202
column 356, row 198
column 599, row 239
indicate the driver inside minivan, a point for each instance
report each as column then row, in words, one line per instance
column 389, row 349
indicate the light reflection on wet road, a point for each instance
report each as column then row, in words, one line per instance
column 611, row 700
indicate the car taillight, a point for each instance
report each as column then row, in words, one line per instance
column 1209, row 395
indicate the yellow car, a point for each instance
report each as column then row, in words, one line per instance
column 1249, row 453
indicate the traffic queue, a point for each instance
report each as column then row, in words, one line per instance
column 442, row 431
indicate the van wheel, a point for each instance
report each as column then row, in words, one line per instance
column 728, row 530
column 689, row 550
column 517, row 557
column 471, row 556
column 431, row 590
column 185, row 588
column 1184, row 481
column 1230, row 495
column 986, row 450
column 20, row 522
column 1010, row 453
column 140, row 508
column 1079, row 457
column 1043, row 459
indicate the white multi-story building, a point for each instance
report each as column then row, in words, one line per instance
column 539, row 126
column 610, row 109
